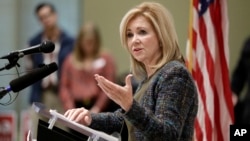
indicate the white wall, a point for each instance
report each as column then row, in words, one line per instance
column 8, row 41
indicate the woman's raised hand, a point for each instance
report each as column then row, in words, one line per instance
column 123, row 96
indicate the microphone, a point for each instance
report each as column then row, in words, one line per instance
column 26, row 80
column 44, row 47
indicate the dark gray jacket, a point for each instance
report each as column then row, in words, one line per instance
column 166, row 111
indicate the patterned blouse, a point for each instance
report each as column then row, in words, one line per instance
column 166, row 112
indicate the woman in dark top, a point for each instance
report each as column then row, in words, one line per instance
column 165, row 104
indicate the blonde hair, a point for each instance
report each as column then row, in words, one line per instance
column 88, row 29
column 162, row 22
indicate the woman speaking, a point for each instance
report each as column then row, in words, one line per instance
column 165, row 104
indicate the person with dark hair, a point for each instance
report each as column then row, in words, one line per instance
column 42, row 5
column 78, row 87
column 165, row 104
column 240, row 78
column 46, row 90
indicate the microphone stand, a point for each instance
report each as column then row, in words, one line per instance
column 13, row 58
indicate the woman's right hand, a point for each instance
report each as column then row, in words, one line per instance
column 79, row 115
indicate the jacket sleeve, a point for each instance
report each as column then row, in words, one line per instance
column 174, row 96
column 107, row 122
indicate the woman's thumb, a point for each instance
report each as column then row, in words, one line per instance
column 128, row 80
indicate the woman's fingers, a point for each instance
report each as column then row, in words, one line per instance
column 74, row 114
column 109, row 85
column 110, row 94
column 80, row 115
column 104, row 89
column 84, row 118
column 69, row 113
column 66, row 114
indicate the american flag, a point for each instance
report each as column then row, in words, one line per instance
column 208, row 61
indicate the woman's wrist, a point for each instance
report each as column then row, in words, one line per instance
column 95, row 109
column 128, row 106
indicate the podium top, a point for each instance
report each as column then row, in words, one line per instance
column 54, row 116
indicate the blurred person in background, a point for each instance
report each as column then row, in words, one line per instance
column 78, row 86
column 46, row 91
column 241, row 78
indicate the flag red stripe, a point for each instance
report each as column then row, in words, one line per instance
column 200, row 81
column 210, row 67
column 198, row 76
column 217, row 20
column 196, row 4
column 214, row 47
column 194, row 42
column 217, row 118
column 198, row 131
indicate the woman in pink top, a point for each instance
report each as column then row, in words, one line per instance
column 78, row 86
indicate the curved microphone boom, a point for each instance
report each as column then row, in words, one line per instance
column 26, row 80
column 44, row 47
